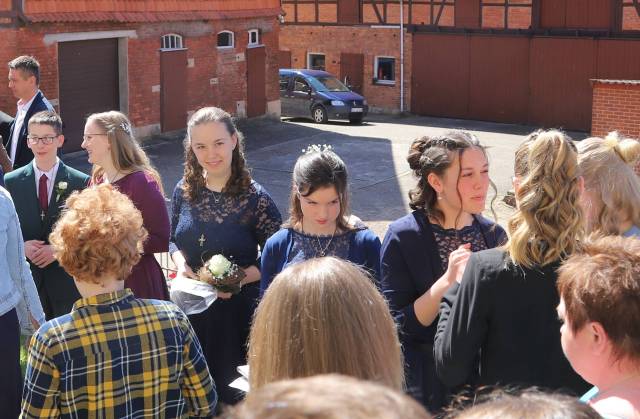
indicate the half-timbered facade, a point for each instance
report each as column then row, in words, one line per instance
column 523, row 61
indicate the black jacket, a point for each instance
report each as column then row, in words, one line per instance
column 506, row 313
column 24, row 155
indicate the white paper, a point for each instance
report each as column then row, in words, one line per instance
column 192, row 296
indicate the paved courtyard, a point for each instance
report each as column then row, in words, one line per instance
column 374, row 152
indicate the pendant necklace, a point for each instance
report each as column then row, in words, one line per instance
column 320, row 251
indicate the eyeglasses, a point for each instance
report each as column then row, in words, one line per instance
column 87, row 137
column 34, row 139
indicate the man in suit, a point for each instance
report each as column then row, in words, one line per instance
column 24, row 81
column 39, row 190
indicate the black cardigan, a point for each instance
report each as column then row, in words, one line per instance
column 508, row 314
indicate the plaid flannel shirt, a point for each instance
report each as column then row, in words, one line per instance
column 115, row 356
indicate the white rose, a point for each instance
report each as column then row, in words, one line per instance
column 218, row 265
column 62, row 185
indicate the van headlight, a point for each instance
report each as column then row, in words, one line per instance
column 337, row 103
column 364, row 102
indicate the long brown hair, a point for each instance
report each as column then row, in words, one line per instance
column 315, row 170
column 321, row 316
column 548, row 221
column 126, row 154
column 194, row 181
column 435, row 155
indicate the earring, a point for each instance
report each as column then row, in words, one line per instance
column 439, row 196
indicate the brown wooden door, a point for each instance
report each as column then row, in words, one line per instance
column 284, row 59
column 352, row 70
column 256, row 84
column 173, row 89
column 88, row 83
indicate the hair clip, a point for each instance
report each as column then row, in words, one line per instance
column 317, row 148
column 126, row 127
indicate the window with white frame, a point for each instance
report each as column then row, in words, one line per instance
column 315, row 61
column 254, row 37
column 225, row 39
column 171, row 41
column 384, row 70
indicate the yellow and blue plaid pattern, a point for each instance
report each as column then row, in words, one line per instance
column 115, row 356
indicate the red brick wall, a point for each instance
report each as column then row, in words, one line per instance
column 144, row 62
column 616, row 107
column 371, row 42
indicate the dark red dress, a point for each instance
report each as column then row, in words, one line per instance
column 146, row 279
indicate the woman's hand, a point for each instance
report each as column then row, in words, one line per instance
column 457, row 263
column 182, row 267
column 186, row 271
column 427, row 305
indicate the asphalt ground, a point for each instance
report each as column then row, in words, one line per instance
column 375, row 154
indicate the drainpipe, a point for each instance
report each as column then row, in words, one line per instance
column 402, row 57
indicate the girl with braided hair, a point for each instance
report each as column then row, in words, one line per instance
column 611, row 199
column 504, row 309
column 425, row 252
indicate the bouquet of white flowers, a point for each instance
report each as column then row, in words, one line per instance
column 222, row 274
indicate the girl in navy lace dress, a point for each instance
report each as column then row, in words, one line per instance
column 218, row 209
column 425, row 252
column 320, row 224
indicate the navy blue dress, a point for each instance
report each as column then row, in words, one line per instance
column 414, row 255
column 288, row 246
column 234, row 226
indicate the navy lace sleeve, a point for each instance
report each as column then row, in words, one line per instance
column 176, row 202
column 268, row 218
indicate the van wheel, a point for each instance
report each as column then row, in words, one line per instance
column 356, row 120
column 319, row 115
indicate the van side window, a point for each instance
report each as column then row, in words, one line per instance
column 301, row 86
column 284, row 82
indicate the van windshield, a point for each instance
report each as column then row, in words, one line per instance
column 327, row 84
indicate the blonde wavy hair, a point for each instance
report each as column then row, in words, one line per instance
column 607, row 167
column 100, row 233
column 548, row 222
column 324, row 316
column 126, row 154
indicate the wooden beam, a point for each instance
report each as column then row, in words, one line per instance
column 535, row 14
column 440, row 13
column 375, row 9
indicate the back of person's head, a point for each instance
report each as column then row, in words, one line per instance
column 100, row 233
column 126, row 153
column 326, row 397
column 530, row 404
column 28, row 65
column 548, row 221
column 601, row 283
column 324, row 316
column 319, row 168
column 611, row 184
column 49, row 118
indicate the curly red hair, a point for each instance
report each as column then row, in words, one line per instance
column 99, row 234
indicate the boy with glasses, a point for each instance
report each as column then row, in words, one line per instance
column 39, row 190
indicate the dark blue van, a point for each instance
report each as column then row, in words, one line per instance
column 319, row 95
